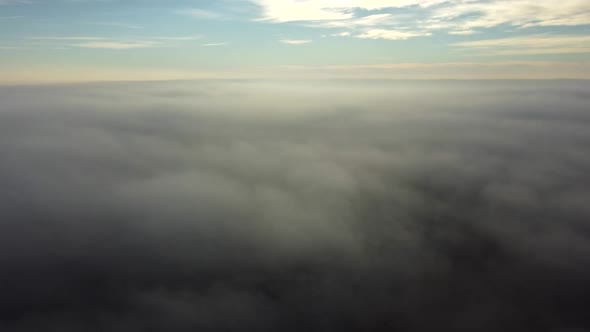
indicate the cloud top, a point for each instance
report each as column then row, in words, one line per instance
column 273, row 206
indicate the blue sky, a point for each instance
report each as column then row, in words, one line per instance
column 132, row 39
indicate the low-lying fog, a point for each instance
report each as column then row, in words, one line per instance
column 295, row 206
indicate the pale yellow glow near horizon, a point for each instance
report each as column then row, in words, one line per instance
column 419, row 71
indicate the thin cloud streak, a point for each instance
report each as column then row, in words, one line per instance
column 536, row 44
column 295, row 41
column 116, row 45
column 391, row 34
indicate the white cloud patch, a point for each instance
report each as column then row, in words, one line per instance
column 295, row 41
column 462, row 32
column 403, row 19
column 391, row 34
column 320, row 10
column 341, row 34
column 289, row 11
column 366, row 21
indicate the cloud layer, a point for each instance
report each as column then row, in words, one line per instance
column 412, row 18
column 268, row 206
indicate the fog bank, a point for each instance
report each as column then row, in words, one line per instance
column 275, row 206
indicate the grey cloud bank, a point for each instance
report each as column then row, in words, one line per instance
column 275, row 206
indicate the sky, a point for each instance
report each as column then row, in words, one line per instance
column 86, row 40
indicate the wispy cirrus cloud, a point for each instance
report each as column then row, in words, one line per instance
column 68, row 38
column 214, row 44
column 98, row 42
column 179, row 38
column 462, row 32
column 536, row 44
column 117, row 45
column 520, row 13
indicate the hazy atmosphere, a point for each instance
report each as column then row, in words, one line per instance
column 294, row 165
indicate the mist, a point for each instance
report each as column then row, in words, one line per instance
column 295, row 206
